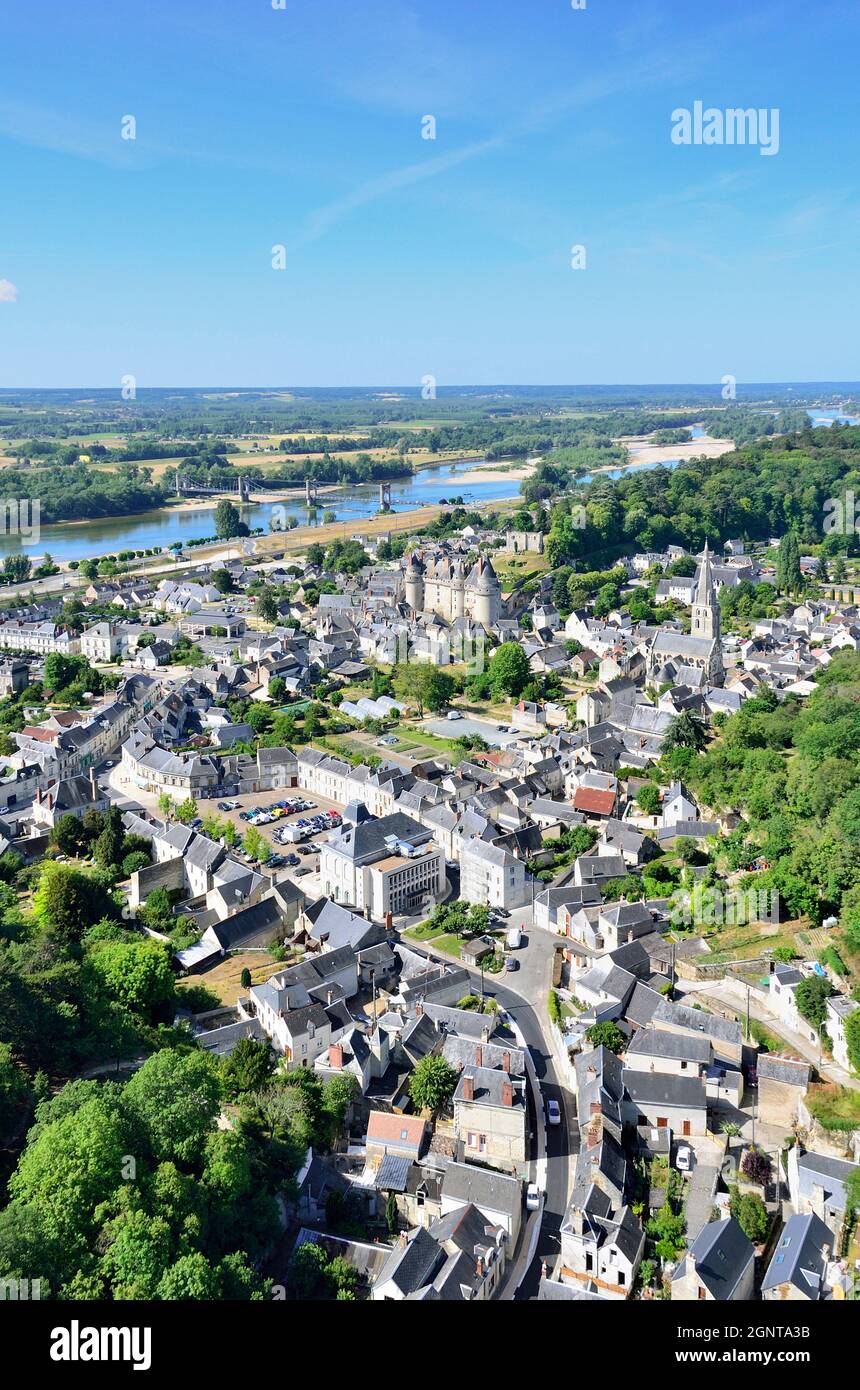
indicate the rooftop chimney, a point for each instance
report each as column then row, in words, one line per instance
column 335, row 1056
column 479, row 1267
column 507, row 1093
column 506, row 1061
column 468, row 1088
column 479, row 1055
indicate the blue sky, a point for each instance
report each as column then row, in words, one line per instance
column 407, row 257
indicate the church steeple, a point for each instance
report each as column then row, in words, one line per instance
column 706, row 609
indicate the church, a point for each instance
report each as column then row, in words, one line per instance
column 701, row 648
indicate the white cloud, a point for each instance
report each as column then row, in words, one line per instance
column 8, row 292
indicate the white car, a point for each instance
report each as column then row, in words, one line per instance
column 684, row 1159
column 553, row 1113
column 533, row 1197
column 453, row 714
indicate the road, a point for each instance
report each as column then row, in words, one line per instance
column 827, row 1068
column 522, row 994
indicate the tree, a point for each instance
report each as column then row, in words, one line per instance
column 249, row 1066
column 14, row 1089
column 186, row 811
column 266, row 608
column 175, row 1097
column 315, row 556
column 756, row 1166
column 107, row 850
column 228, row 522
column 509, row 669
column 136, row 974
column 424, row 686
column 192, row 1278
column 67, row 901
column 71, row 1165
column 788, row 575
column 16, row 569
column 648, row 799
column 69, row 835
column 811, row 998
column 750, row 1212
column 165, row 805
column 223, row 581
column 686, row 730
column 606, row 1035
column 852, row 1038
column 432, row 1083
column 256, row 844
column 346, row 557
column 277, row 688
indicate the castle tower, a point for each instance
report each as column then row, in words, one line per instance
column 414, row 583
column 487, row 602
column 458, row 590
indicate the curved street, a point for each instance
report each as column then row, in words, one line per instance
column 554, row 1147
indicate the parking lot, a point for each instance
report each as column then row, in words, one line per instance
column 125, row 789
column 264, row 801
column 485, row 728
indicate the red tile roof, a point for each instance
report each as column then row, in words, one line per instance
column 390, row 1128
column 597, row 802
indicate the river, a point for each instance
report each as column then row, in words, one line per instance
column 352, row 503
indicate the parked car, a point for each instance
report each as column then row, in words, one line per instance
column 684, row 1158
column 453, row 714
column 514, row 939
column 301, row 870
column 553, row 1112
column 292, row 859
column 533, row 1197
column 511, row 963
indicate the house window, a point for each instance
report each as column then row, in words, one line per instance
column 662, row 1122
column 621, row 1278
column 702, row 1293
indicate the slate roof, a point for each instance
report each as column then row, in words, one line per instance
column 393, row 1173
column 722, row 1253
column 488, row 1190
column 798, row 1257
column 650, row 1042
column 660, row 1088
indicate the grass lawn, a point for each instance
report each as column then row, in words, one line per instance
column 418, row 738
column 425, row 932
column 748, row 941
column 835, row 1107
column 225, row 979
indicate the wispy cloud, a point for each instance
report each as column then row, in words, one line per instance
column 324, row 218
column 8, row 292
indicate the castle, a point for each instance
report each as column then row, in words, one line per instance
column 444, row 587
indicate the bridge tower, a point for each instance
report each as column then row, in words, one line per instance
column 310, row 492
column 385, row 494
column 178, row 483
column 244, row 490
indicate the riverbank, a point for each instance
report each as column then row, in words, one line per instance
column 641, row 452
